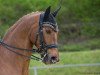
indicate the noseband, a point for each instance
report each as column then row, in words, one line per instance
column 43, row 46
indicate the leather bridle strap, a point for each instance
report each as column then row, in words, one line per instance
column 51, row 46
column 43, row 45
column 41, row 32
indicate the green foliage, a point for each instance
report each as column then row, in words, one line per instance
column 91, row 30
column 72, row 10
column 3, row 30
column 79, row 31
column 80, row 11
column 83, row 46
column 74, row 18
column 11, row 10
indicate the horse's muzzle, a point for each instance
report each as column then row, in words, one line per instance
column 48, row 59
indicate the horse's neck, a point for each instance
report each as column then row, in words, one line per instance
column 18, row 36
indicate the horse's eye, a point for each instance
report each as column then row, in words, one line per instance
column 48, row 31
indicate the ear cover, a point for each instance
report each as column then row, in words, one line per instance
column 56, row 12
column 47, row 13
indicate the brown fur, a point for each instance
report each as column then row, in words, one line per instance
column 22, row 35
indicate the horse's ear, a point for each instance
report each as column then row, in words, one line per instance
column 47, row 13
column 56, row 12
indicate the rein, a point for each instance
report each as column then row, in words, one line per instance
column 29, row 57
column 43, row 46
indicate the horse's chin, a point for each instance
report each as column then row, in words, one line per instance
column 47, row 62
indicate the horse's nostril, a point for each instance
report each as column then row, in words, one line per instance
column 53, row 58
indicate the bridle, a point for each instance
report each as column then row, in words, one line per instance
column 43, row 46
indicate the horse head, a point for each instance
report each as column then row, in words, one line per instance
column 47, row 37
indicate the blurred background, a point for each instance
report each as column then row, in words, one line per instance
column 79, row 36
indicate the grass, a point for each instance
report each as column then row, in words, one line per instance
column 72, row 58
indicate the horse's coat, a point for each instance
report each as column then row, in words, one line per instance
column 18, row 35
column 23, row 35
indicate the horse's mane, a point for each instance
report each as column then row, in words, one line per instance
column 28, row 17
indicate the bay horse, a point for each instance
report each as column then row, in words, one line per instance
column 39, row 29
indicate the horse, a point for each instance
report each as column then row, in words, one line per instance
column 37, row 28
